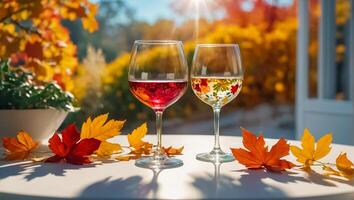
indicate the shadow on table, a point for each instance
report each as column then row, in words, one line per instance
column 320, row 179
column 131, row 187
column 37, row 170
column 223, row 186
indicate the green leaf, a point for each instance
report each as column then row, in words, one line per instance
column 20, row 90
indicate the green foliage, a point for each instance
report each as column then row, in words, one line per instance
column 19, row 90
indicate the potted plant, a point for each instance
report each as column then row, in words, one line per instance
column 31, row 105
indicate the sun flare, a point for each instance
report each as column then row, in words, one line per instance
column 200, row 8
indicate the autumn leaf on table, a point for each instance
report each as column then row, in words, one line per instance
column 257, row 156
column 138, row 146
column 135, row 140
column 344, row 165
column 170, row 151
column 71, row 148
column 20, row 147
column 100, row 130
column 128, row 157
column 311, row 152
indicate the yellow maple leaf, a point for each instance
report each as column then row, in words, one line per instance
column 128, row 157
column 138, row 146
column 311, row 152
column 123, row 158
column 99, row 129
column 89, row 22
column 135, row 138
column 344, row 165
column 108, row 148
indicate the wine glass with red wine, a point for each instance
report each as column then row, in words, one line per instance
column 158, row 77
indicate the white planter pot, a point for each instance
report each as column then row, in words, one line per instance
column 39, row 123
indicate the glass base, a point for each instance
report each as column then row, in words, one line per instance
column 152, row 163
column 215, row 156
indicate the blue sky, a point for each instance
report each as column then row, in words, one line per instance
column 151, row 10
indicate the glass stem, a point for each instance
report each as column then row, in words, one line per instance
column 216, row 128
column 158, row 151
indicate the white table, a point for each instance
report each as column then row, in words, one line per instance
column 195, row 179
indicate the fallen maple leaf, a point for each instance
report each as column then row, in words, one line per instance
column 99, row 129
column 258, row 156
column 128, row 157
column 107, row 149
column 70, row 148
column 170, row 151
column 145, row 149
column 20, row 147
column 137, row 145
column 344, row 165
column 123, row 158
column 135, row 138
column 308, row 154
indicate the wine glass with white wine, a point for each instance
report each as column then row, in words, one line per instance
column 216, row 79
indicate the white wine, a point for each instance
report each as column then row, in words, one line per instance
column 216, row 91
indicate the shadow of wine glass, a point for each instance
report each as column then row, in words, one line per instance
column 130, row 187
column 220, row 185
column 152, row 186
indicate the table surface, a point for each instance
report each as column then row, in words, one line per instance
column 195, row 179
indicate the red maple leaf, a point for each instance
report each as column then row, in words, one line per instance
column 197, row 87
column 19, row 58
column 257, row 156
column 58, row 78
column 70, row 148
column 204, row 82
column 34, row 50
column 234, row 89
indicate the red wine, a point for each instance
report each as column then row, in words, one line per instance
column 158, row 94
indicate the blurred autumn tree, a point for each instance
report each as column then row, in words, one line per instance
column 114, row 18
column 264, row 29
column 267, row 33
column 32, row 35
column 257, row 12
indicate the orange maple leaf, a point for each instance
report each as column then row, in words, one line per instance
column 18, row 148
column 344, row 165
column 170, row 151
column 257, row 155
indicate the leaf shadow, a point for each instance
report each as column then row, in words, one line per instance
column 56, row 169
column 130, row 187
column 33, row 170
column 314, row 177
column 8, row 169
